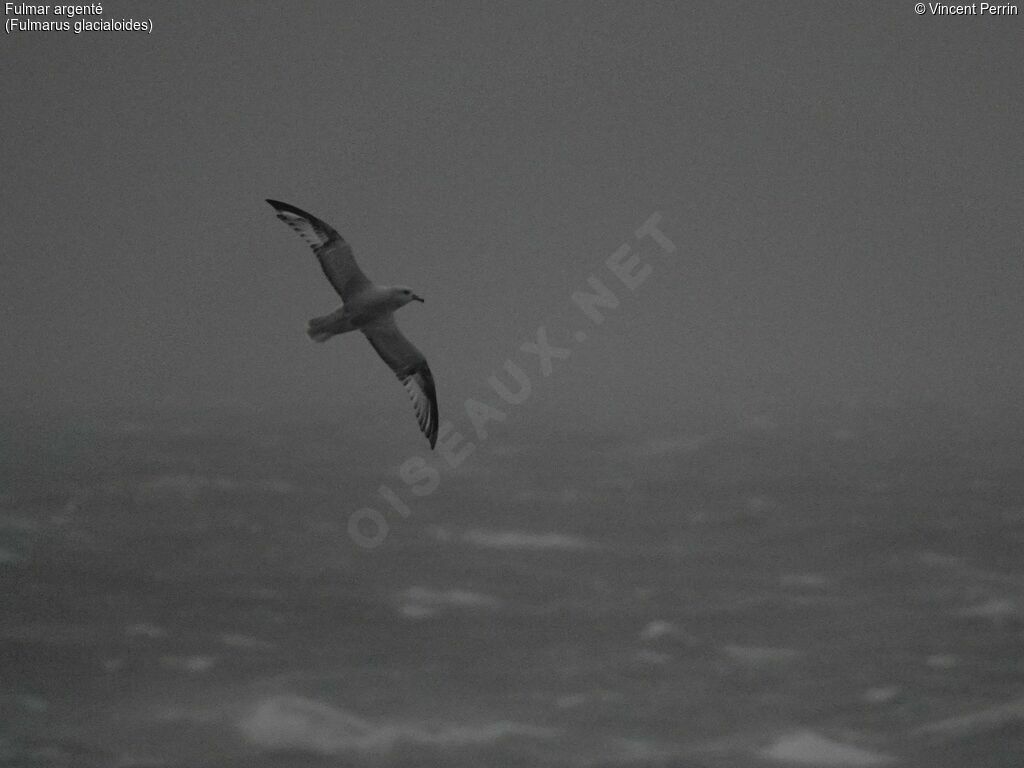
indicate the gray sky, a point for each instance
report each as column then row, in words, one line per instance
column 843, row 182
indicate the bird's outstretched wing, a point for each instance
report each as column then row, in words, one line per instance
column 335, row 255
column 411, row 368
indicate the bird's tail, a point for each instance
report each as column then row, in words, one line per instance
column 319, row 336
column 320, row 329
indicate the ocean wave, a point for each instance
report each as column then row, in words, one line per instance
column 245, row 642
column 976, row 722
column 657, row 629
column 421, row 602
column 525, row 540
column 145, row 629
column 661, row 446
column 995, row 609
column 294, row 722
column 191, row 486
column 812, row 749
column 803, row 581
column 756, row 655
column 190, row 664
column 18, row 523
column 562, row 496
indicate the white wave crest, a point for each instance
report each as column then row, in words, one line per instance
column 812, row 749
column 525, row 540
column 421, row 602
column 294, row 722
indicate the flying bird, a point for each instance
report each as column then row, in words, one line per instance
column 366, row 307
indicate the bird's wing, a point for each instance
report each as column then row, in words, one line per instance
column 335, row 255
column 411, row 368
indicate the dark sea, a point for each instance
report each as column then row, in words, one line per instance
column 840, row 588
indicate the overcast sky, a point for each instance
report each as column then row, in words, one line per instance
column 842, row 181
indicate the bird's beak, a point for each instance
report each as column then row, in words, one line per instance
column 417, row 298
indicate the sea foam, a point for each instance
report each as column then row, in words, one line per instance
column 294, row 722
column 524, row 540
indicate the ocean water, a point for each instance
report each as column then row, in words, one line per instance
column 833, row 589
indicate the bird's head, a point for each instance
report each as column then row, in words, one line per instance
column 403, row 295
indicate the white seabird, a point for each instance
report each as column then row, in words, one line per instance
column 368, row 308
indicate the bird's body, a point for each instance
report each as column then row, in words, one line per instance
column 368, row 308
column 371, row 304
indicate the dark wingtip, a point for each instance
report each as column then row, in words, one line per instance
column 279, row 206
column 289, row 208
column 432, row 437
